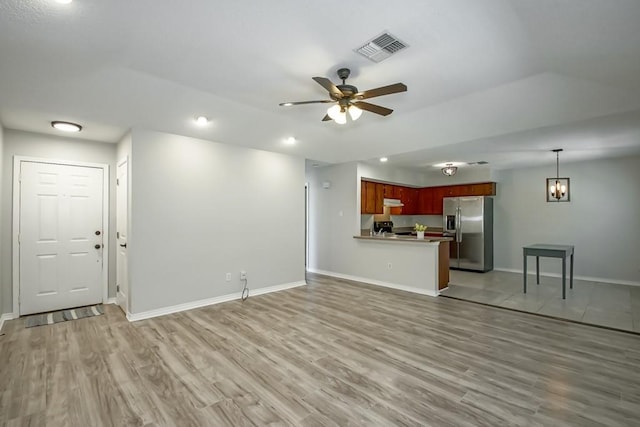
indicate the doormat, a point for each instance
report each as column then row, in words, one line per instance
column 63, row 316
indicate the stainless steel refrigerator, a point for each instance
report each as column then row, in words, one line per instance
column 469, row 220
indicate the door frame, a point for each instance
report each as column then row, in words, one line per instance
column 15, row 255
column 120, row 162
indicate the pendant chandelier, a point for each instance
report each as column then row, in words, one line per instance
column 449, row 169
column 558, row 188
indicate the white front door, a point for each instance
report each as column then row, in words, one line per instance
column 60, row 236
column 122, row 283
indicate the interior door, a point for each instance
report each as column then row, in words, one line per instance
column 60, row 236
column 122, row 281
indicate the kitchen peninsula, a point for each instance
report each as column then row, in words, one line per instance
column 408, row 263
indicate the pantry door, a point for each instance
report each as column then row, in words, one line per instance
column 60, row 236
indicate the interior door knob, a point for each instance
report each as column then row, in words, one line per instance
column 123, row 246
column 98, row 246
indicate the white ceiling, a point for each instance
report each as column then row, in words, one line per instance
column 496, row 80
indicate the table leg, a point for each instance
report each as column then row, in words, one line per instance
column 564, row 277
column 524, row 273
column 537, row 270
column 571, row 272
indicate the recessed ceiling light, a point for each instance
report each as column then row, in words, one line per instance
column 66, row 126
column 64, row 1
column 290, row 141
column 383, row 159
column 287, row 104
column 202, row 120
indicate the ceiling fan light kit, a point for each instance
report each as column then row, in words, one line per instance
column 347, row 98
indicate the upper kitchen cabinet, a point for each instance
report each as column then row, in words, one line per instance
column 483, row 189
column 371, row 197
column 417, row 201
column 430, row 198
column 410, row 201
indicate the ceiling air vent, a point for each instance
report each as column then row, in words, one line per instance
column 481, row 162
column 381, row 47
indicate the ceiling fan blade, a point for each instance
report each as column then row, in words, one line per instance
column 326, row 118
column 384, row 90
column 383, row 111
column 288, row 104
column 328, row 85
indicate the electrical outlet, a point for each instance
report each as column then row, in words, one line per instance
column 243, row 275
column 389, row 265
column 228, row 277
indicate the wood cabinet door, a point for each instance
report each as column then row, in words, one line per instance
column 425, row 201
column 379, row 199
column 388, row 191
column 410, row 201
column 398, row 193
column 484, row 189
column 436, row 204
column 370, row 197
column 363, row 197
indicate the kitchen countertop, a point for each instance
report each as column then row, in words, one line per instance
column 391, row 237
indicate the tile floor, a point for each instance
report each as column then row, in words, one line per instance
column 602, row 304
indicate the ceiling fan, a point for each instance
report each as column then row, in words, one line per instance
column 347, row 98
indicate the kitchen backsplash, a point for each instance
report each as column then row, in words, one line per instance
column 366, row 221
column 411, row 220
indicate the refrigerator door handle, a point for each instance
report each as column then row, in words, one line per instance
column 458, row 225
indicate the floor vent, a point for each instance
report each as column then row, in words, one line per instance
column 381, row 47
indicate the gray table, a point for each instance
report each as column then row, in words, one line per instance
column 551, row 251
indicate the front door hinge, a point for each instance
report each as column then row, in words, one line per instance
column 117, row 181
column 117, row 288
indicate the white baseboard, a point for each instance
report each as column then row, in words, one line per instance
column 134, row 317
column 111, row 301
column 4, row 318
column 375, row 282
column 585, row 278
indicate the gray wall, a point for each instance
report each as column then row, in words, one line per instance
column 202, row 209
column 50, row 147
column 602, row 219
column 2, row 237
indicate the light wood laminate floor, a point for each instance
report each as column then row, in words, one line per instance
column 331, row 353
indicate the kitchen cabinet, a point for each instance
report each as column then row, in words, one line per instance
column 398, row 193
column 410, row 200
column 430, row 198
column 417, row 201
column 371, row 198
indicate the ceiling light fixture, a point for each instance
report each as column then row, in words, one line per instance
column 291, row 140
column 383, row 159
column 66, row 126
column 449, row 169
column 202, row 120
column 339, row 113
column 558, row 187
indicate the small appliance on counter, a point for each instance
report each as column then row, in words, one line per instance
column 383, row 226
column 469, row 220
